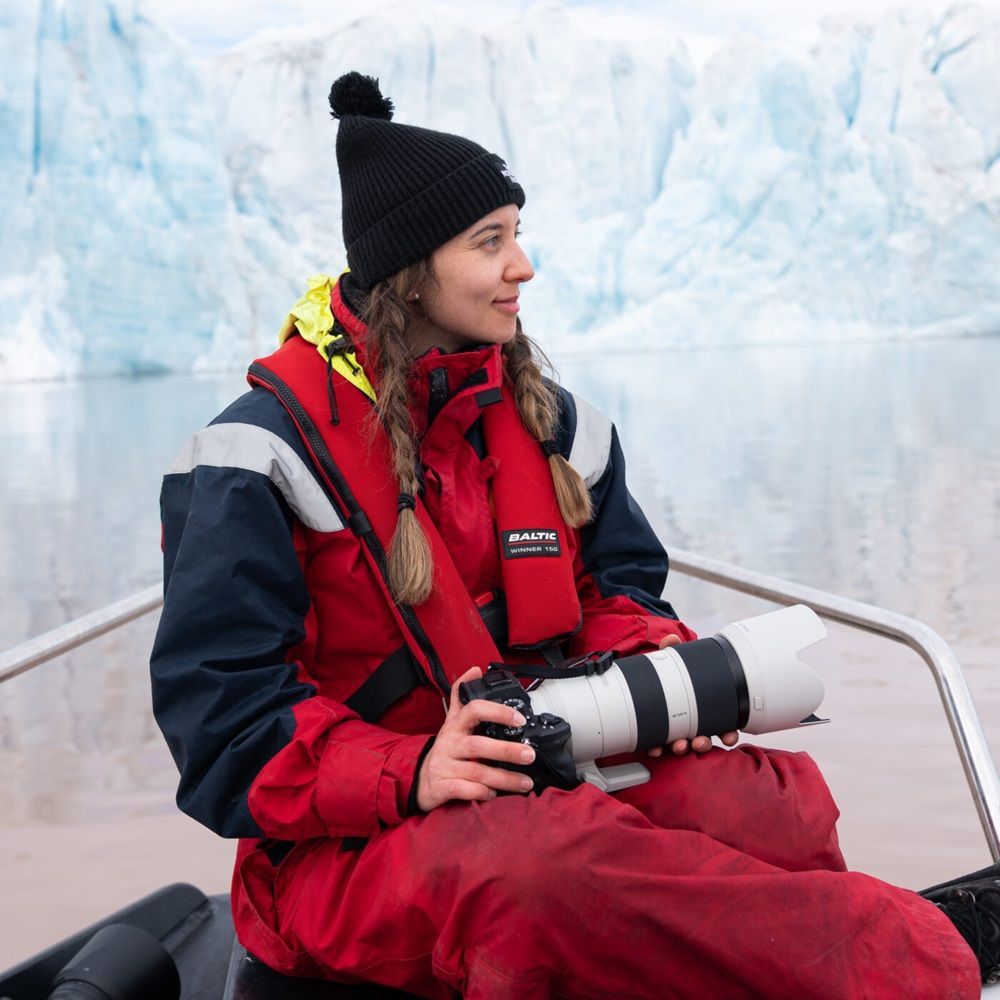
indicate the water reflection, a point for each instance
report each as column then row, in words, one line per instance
column 78, row 499
column 79, row 528
column 870, row 470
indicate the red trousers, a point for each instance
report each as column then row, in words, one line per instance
column 720, row 878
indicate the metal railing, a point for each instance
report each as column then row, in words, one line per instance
column 967, row 731
column 60, row 640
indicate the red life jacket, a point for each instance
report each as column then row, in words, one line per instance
column 445, row 634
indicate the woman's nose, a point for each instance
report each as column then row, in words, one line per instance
column 519, row 268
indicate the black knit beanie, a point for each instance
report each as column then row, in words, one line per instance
column 406, row 190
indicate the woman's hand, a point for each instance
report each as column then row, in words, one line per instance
column 700, row 744
column 453, row 769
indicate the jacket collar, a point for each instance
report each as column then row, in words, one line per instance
column 345, row 305
column 444, row 388
column 451, row 389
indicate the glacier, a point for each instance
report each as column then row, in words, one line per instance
column 160, row 210
column 115, row 203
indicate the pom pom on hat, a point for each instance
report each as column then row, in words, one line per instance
column 354, row 94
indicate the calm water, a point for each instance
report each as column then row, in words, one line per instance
column 869, row 470
column 872, row 471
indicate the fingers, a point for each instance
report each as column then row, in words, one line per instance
column 700, row 744
column 468, row 716
column 497, row 778
column 460, row 763
column 446, row 774
column 484, row 748
column 730, row 739
column 449, row 789
column 470, row 790
column 479, row 710
column 670, row 640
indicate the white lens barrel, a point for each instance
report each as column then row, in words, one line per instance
column 749, row 676
column 599, row 709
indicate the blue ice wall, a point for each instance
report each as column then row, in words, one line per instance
column 160, row 212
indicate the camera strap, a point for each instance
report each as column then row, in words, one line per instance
column 590, row 665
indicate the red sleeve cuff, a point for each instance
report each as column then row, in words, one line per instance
column 399, row 778
column 348, row 789
column 359, row 790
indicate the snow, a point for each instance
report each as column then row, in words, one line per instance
column 160, row 211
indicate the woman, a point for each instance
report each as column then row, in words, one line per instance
column 341, row 551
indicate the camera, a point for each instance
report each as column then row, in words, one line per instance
column 746, row 677
column 553, row 765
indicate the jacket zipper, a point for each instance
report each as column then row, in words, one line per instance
column 352, row 507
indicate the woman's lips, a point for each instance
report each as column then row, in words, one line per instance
column 508, row 305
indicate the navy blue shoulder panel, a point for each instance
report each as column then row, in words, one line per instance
column 619, row 547
column 566, row 427
column 235, row 601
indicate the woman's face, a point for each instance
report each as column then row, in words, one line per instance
column 474, row 300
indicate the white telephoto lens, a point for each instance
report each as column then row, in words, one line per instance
column 748, row 677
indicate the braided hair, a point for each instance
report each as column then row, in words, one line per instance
column 391, row 315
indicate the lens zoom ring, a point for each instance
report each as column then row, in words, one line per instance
column 713, row 683
column 650, row 703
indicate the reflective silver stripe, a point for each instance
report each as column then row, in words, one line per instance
column 591, row 443
column 245, row 446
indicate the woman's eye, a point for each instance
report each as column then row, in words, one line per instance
column 494, row 241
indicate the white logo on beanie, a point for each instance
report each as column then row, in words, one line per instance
column 505, row 170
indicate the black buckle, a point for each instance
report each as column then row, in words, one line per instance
column 594, row 663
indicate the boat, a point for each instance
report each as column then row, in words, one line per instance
column 178, row 943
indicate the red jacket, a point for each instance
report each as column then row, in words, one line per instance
column 274, row 614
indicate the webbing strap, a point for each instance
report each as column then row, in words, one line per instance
column 494, row 616
column 397, row 675
column 553, row 656
column 585, row 666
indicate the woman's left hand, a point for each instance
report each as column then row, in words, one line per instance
column 700, row 744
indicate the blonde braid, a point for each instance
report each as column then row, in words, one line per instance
column 539, row 409
column 391, row 317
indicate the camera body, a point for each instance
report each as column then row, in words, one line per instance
column 553, row 765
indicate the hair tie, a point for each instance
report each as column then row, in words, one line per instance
column 405, row 501
column 549, row 448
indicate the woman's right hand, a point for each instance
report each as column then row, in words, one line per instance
column 453, row 768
